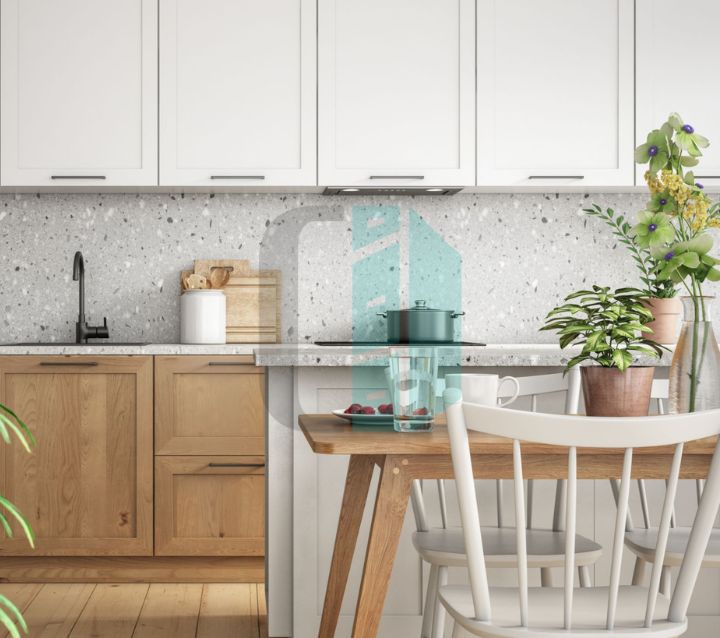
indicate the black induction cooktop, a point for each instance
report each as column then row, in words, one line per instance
column 379, row 344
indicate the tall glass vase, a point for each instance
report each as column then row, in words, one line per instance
column 695, row 368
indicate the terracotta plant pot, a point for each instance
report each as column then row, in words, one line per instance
column 609, row 392
column 668, row 316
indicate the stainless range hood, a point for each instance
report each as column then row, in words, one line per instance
column 392, row 190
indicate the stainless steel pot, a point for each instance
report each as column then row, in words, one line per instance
column 420, row 324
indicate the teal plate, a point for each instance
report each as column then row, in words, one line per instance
column 365, row 419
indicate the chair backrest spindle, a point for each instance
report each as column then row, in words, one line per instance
column 570, row 523
column 619, row 537
column 699, row 537
column 520, row 532
column 663, row 534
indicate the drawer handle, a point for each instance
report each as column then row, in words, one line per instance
column 69, row 363
column 397, row 176
column 77, row 177
column 707, row 176
column 237, row 176
column 227, row 363
column 556, row 177
column 236, row 464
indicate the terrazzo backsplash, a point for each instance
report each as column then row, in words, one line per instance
column 519, row 255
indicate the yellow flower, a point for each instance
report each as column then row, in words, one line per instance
column 654, row 184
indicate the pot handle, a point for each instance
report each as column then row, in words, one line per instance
column 382, row 314
column 455, row 315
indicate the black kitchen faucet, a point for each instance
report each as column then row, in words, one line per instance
column 83, row 331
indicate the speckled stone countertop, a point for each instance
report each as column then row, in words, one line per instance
column 492, row 355
column 309, row 355
column 96, row 349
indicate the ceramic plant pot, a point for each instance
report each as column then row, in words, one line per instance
column 609, row 392
column 668, row 316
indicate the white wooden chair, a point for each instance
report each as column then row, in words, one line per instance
column 515, row 612
column 444, row 547
column 642, row 541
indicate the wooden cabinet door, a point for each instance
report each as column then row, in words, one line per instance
column 209, row 506
column 237, row 92
column 87, row 487
column 209, row 405
column 396, row 92
column 555, row 93
column 78, row 98
column 659, row 23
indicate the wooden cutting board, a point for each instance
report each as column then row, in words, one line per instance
column 253, row 300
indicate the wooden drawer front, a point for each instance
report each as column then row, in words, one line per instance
column 209, row 506
column 87, row 487
column 209, row 405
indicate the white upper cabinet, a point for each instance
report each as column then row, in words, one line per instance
column 555, row 92
column 396, row 92
column 78, row 92
column 678, row 56
column 237, row 92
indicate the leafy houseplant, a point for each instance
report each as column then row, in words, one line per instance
column 674, row 229
column 610, row 328
column 662, row 300
column 10, row 424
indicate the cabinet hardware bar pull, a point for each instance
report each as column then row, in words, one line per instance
column 227, row 363
column 397, row 176
column 69, row 363
column 77, row 177
column 237, row 176
column 236, row 464
column 556, row 177
column 707, row 176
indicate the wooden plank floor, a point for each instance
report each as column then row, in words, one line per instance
column 138, row 610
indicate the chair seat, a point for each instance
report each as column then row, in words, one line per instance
column 642, row 543
column 545, row 548
column 546, row 609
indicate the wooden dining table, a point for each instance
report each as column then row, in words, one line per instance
column 403, row 457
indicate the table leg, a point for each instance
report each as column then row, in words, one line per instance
column 390, row 505
column 357, row 485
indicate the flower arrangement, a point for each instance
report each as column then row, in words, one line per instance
column 673, row 228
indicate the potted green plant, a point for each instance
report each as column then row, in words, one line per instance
column 10, row 424
column 662, row 300
column 609, row 327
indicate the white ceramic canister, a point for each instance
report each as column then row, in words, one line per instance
column 202, row 316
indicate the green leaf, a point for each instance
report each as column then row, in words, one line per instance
column 5, row 601
column 9, row 624
column 18, row 516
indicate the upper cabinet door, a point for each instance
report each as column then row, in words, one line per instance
column 555, row 93
column 668, row 82
column 396, row 92
column 237, row 92
column 78, row 92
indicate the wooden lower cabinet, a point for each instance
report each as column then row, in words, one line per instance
column 209, row 506
column 87, row 487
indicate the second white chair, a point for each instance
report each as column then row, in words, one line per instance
column 444, row 547
column 516, row 612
